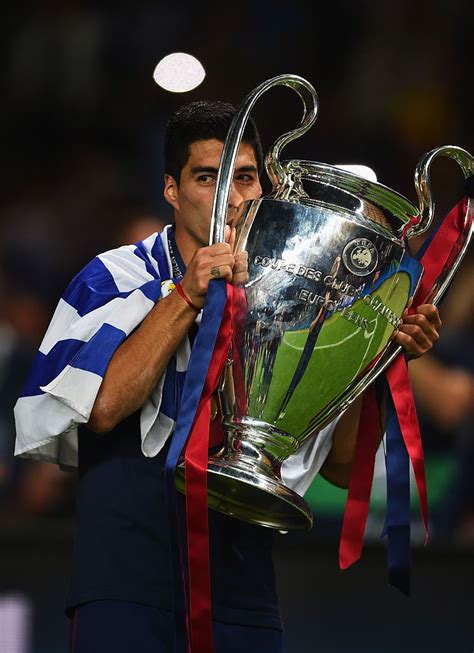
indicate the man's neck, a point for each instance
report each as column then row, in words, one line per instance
column 177, row 263
column 187, row 245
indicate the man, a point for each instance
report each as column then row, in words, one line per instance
column 123, row 359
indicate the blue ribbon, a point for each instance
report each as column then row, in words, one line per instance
column 196, row 374
column 397, row 518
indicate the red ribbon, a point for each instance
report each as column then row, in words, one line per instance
column 360, row 484
column 442, row 250
column 196, row 456
column 439, row 256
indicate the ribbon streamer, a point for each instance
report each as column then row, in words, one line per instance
column 403, row 435
column 196, row 494
column 193, row 632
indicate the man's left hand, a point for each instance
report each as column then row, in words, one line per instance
column 419, row 331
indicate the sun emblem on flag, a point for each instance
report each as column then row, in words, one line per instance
column 167, row 287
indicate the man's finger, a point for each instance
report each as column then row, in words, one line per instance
column 240, row 266
column 231, row 240
column 240, row 278
column 225, row 272
column 214, row 250
column 431, row 313
column 410, row 345
column 428, row 328
column 229, row 236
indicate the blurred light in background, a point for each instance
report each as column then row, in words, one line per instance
column 179, row 72
column 15, row 623
column 361, row 171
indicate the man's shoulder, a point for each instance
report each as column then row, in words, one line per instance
column 121, row 269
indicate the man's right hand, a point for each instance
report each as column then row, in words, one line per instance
column 214, row 262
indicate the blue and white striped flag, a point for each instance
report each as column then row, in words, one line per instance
column 102, row 305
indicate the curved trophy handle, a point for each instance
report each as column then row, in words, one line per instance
column 423, row 182
column 234, row 137
column 427, row 209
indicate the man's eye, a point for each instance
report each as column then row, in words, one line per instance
column 206, row 179
column 246, row 179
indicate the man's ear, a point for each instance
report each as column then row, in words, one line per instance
column 170, row 191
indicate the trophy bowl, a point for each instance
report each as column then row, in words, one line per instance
column 329, row 277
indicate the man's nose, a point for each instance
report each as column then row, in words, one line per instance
column 235, row 197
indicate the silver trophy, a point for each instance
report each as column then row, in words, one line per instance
column 330, row 275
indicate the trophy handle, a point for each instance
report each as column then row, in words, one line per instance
column 427, row 209
column 273, row 166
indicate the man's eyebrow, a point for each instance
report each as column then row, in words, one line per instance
column 213, row 171
column 201, row 169
column 246, row 169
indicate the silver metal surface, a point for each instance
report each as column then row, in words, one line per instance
column 307, row 333
column 330, row 274
column 272, row 163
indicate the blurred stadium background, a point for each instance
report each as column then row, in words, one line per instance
column 82, row 124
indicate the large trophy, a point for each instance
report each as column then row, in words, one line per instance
column 330, row 274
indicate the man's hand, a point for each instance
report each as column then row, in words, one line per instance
column 417, row 335
column 214, row 262
column 419, row 331
column 241, row 268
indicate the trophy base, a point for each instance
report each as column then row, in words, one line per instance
column 235, row 489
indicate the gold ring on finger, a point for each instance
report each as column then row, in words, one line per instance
column 215, row 272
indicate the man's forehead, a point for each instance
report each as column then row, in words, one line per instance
column 208, row 152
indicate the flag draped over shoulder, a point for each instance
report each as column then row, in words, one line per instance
column 102, row 305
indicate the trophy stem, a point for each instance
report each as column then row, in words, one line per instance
column 244, row 479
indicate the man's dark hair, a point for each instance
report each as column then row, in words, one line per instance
column 199, row 121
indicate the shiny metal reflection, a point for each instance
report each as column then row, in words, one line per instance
column 330, row 274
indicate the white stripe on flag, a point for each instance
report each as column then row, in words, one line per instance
column 75, row 388
column 63, row 317
column 154, row 439
column 127, row 269
column 39, row 420
column 122, row 312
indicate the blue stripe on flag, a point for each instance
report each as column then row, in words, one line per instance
column 95, row 355
column 93, row 287
column 158, row 253
column 168, row 398
column 172, row 388
column 46, row 367
column 92, row 356
column 141, row 252
column 151, row 289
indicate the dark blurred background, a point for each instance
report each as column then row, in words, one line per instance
column 82, row 124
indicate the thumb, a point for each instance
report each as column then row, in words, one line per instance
column 230, row 236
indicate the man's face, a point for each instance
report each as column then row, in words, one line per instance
column 193, row 199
